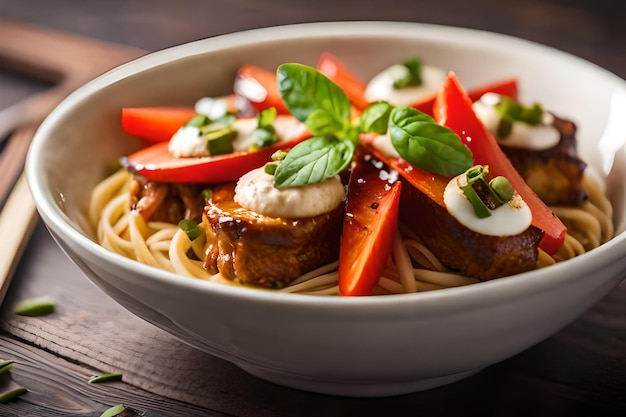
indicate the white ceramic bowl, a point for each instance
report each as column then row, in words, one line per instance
column 362, row 346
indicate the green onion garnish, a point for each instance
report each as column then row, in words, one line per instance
column 485, row 196
column 414, row 74
column 512, row 111
column 191, row 228
column 36, row 306
column 105, row 378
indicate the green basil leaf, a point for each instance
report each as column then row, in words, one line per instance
column 426, row 144
column 306, row 90
column 314, row 160
column 375, row 118
column 321, row 123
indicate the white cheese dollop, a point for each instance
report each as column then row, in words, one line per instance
column 255, row 191
column 213, row 108
column 187, row 142
column 286, row 127
column 522, row 134
column 506, row 220
column 380, row 87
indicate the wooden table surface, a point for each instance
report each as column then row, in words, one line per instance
column 581, row 371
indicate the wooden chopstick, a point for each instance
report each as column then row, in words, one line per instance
column 17, row 209
column 12, row 159
column 17, row 221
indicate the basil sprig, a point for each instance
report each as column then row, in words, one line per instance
column 418, row 138
column 325, row 109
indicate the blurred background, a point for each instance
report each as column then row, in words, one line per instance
column 593, row 29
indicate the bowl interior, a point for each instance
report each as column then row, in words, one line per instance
column 82, row 136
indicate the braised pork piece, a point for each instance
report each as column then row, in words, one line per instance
column 166, row 202
column 555, row 174
column 254, row 249
column 463, row 250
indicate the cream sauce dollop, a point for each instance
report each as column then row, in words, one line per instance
column 523, row 135
column 255, row 191
column 380, row 87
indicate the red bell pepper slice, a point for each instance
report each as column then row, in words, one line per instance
column 506, row 87
column 155, row 163
column 158, row 124
column 432, row 185
column 329, row 65
column 369, row 228
column 258, row 87
column 155, row 124
column 453, row 108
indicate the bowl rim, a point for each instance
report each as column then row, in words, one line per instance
column 501, row 289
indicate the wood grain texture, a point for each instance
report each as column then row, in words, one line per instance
column 581, row 371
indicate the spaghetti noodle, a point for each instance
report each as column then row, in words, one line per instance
column 411, row 268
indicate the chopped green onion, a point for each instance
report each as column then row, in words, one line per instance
column 264, row 137
column 36, row 306
column 105, row 378
column 504, row 127
column 191, row 228
column 221, row 141
column 279, row 155
column 486, row 196
column 270, row 168
column 218, row 133
column 414, row 74
column 5, row 366
column 512, row 111
column 207, row 194
column 480, row 209
column 502, row 189
column 113, row 411
column 8, row 395
column 265, row 118
column 198, row 121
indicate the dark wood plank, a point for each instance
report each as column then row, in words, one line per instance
column 57, row 387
